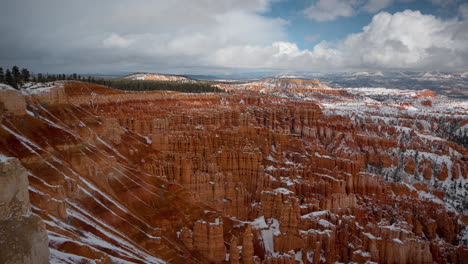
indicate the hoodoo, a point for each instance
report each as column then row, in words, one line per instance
column 96, row 175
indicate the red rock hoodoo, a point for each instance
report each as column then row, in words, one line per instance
column 315, row 175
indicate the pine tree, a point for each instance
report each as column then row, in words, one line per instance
column 40, row 78
column 2, row 76
column 10, row 80
column 16, row 76
column 25, row 74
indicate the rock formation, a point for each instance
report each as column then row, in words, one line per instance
column 301, row 174
column 23, row 237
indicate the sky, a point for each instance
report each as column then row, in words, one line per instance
column 232, row 36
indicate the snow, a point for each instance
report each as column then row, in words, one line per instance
column 310, row 256
column 315, row 214
column 362, row 253
column 4, row 159
column 270, row 158
column 26, row 142
column 267, row 237
column 39, row 88
column 282, row 191
column 125, row 246
column 111, row 148
column 58, row 257
column 298, row 256
column 259, row 223
column 148, row 141
column 318, row 232
column 396, row 228
column 216, row 222
column 325, row 223
column 369, row 235
column 6, row 87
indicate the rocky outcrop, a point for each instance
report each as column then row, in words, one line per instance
column 11, row 101
column 208, row 240
column 23, row 237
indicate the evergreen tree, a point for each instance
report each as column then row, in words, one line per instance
column 25, row 74
column 2, row 76
column 16, row 75
column 10, row 80
column 40, row 78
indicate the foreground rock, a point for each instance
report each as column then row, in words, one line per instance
column 23, row 237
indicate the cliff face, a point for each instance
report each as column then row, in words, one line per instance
column 11, row 101
column 23, row 234
column 241, row 178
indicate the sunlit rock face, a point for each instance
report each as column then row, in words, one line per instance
column 311, row 175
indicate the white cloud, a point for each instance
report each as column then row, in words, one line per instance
column 116, row 41
column 409, row 40
column 405, row 40
column 327, row 10
column 279, row 55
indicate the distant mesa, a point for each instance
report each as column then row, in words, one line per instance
column 158, row 77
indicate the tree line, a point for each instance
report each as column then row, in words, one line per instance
column 141, row 85
column 16, row 78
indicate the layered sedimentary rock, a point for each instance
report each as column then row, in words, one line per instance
column 244, row 177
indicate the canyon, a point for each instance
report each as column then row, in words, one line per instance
column 274, row 171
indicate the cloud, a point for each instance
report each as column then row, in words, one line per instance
column 409, row 40
column 443, row 2
column 327, row 10
column 210, row 36
column 277, row 56
column 406, row 40
column 116, row 41
column 311, row 38
column 154, row 35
